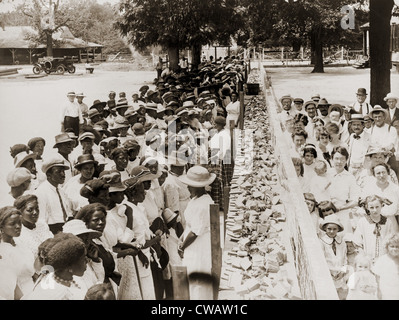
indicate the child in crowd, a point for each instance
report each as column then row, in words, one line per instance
column 313, row 209
column 309, row 155
column 362, row 284
column 386, row 268
column 321, row 182
column 334, row 248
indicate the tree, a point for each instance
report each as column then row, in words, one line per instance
column 44, row 17
column 380, row 55
column 175, row 24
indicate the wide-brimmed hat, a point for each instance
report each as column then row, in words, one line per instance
column 121, row 124
column 168, row 215
column 391, row 96
column 18, row 176
column 145, row 87
column 197, row 176
column 80, row 94
column 287, row 96
column 375, row 149
column 86, row 135
column 361, row 91
column 151, row 106
column 97, row 103
column 308, row 103
column 332, row 218
column 138, row 174
column 113, row 179
column 130, row 112
column 323, row 102
column 62, row 138
column 55, row 160
column 188, row 103
column 378, row 108
column 131, row 144
column 84, row 159
column 78, row 227
column 356, row 117
column 21, row 157
column 93, row 112
column 336, row 107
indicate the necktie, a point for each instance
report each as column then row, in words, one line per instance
column 334, row 247
column 62, row 205
column 356, row 136
column 288, row 112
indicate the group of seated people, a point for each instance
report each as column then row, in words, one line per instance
column 346, row 159
column 101, row 214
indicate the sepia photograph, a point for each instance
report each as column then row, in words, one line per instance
column 199, row 156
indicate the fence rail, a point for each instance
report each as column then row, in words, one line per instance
column 312, row 271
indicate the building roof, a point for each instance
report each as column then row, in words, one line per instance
column 15, row 37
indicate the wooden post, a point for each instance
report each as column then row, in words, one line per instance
column 181, row 289
column 216, row 250
column 241, row 93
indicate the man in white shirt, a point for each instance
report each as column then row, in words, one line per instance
column 393, row 112
column 288, row 110
column 82, row 106
column 361, row 106
column 359, row 142
column 71, row 115
column 383, row 135
column 54, row 206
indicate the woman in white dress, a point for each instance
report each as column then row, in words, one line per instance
column 233, row 110
column 19, row 258
column 195, row 248
column 33, row 230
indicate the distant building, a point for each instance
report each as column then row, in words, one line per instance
column 16, row 49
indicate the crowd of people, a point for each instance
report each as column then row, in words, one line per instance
column 347, row 162
column 123, row 192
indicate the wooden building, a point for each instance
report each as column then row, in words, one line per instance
column 15, row 48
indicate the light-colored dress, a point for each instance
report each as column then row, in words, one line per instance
column 8, row 280
column 48, row 289
column 233, row 113
column 72, row 191
column 198, row 256
column 387, row 270
column 21, row 260
column 31, row 239
column 176, row 194
column 116, row 231
column 367, row 237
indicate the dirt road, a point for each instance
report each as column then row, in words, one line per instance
column 30, row 107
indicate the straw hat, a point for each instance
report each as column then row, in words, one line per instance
column 332, row 218
column 378, row 108
column 78, row 227
column 138, row 174
column 168, row 215
column 287, row 96
column 391, row 96
column 113, row 179
column 197, row 176
column 86, row 135
column 61, row 138
column 56, row 160
column 21, row 157
column 356, row 117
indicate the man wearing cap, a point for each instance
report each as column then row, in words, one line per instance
column 322, row 107
column 19, row 180
column 286, row 104
column 393, row 114
column 86, row 146
column 298, row 104
column 65, row 144
column 311, row 112
column 70, row 114
column 361, row 106
column 359, row 142
column 151, row 109
column 54, row 206
column 84, row 109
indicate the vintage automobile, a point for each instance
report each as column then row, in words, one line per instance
column 59, row 65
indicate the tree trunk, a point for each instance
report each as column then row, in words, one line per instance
column 196, row 56
column 312, row 48
column 49, row 42
column 380, row 55
column 318, row 51
column 173, row 54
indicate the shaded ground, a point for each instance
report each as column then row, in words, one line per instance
column 337, row 84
